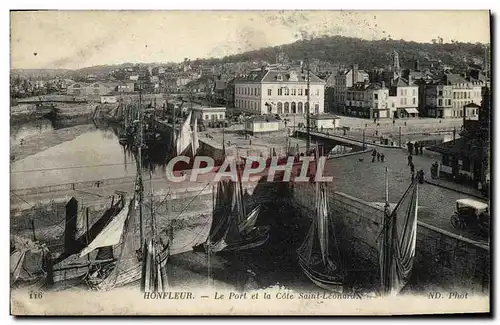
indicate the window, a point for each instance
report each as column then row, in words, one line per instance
column 300, row 92
column 440, row 93
column 287, row 92
column 440, row 102
column 207, row 117
column 454, row 95
column 414, row 92
column 280, row 91
column 415, row 101
column 401, row 92
column 306, row 92
column 294, row 92
column 317, row 92
column 401, row 101
column 375, row 96
column 269, row 92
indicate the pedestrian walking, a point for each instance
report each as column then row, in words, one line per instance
column 374, row 121
column 378, row 156
column 410, row 160
column 410, row 147
column 374, row 155
column 416, row 148
column 412, row 170
column 382, row 157
column 393, row 121
column 421, row 149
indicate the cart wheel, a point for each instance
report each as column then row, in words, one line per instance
column 456, row 222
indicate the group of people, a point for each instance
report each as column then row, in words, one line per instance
column 417, row 146
column 377, row 155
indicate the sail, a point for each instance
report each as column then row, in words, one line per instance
column 111, row 234
column 184, row 138
column 195, row 142
column 249, row 223
column 222, row 210
column 320, row 248
column 128, row 267
column 398, row 241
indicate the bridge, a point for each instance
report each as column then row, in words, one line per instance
column 331, row 140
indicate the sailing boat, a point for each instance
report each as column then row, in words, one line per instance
column 154, row 273
column 232, row 228
column 127, row 240
column 71, row 264
column 398, row 241
column 319, row 256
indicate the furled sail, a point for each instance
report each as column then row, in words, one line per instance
column 184, row 138
column 319, row 255
column 153, row 271
column 111, row 234
column 195, row 142
column 398, row 241
column 248, row 224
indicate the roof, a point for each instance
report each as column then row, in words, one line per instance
column 324, row 116
column 473, row 105
column 262, row 119
column 205, row 108
column 473, row 203
column 269, row 76
column 401, row 82
column 453, row 79
column 220, row 84
column 461, row 147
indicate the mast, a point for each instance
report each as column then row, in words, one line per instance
column 139, row 169
column 308, row 117
column 387, row 242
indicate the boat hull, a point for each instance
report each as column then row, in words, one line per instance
column 322, row 280
column 247, row 243
column 129, row 275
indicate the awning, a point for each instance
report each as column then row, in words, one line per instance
column 411, row 110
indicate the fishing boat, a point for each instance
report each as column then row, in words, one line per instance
column 397, row 241
column 232, row 229
column 71, row 266
column 126, row 236
column 319, row 256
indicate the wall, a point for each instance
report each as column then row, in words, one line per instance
column 442, row 258
column 317, row 96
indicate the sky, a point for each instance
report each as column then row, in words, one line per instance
column 77, row 39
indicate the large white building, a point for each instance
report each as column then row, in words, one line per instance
column 279, row 92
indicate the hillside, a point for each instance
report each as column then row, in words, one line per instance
column 368, row 54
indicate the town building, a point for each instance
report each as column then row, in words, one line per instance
column 210, row 113
column 261, row 124
column 438, row 100
column 229, row 93
column 465, row 90
column 85, row 89
column 324, row 121
column 368, row 100
column 109, row 99
column 403, row 99
column 268, row 91
column 466, row 159
column 341, row 81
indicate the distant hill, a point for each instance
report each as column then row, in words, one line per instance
column 367, row 54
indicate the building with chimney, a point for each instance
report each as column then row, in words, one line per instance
column 279, row 91
column 438, row 100
column 465, row 90
column 342, row 80
column 403, row 98
column 368, row 100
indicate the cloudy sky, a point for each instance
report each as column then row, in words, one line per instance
column 76, row 39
